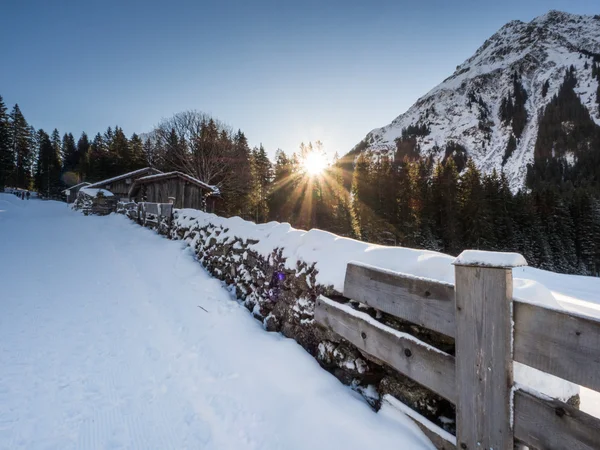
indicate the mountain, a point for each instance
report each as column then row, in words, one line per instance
column 495, row 106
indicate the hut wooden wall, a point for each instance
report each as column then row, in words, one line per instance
column 187, row 195
column 120, row 188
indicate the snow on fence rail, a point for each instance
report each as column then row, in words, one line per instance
column 159, row 215
column 491, row 330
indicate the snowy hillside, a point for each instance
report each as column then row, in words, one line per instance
column 466, row 107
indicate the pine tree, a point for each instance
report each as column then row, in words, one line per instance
column 423, row 205
column 342, row 212
column 404, row 197
column 475, row 228
column 241, row 179
column 362, row 196
column 152, row 154
column 261, row 180
column 138, row 158
column 445, row 203
column 120, row 153
column 173, row 154
column 21, row 141
column 281, row 201
column 83, row 163
column 7, row 156
column 587, row 233
column 99, row 164
column 70, row 160
column 545, row 88
column 48, row 167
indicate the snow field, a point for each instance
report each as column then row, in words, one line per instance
column 104, row 345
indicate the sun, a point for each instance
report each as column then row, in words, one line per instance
column 314, row 163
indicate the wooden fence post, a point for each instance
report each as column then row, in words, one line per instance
column 484, row 353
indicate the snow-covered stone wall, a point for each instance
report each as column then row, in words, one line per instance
column 275, row 271
column 278, row 272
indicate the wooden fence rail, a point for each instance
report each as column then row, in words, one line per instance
column 159, row 215
column 490, row 331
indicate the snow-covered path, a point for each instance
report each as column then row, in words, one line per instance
column 105, row 344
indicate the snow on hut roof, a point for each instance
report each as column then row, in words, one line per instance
column 85, row 183
column 94, row 192
column 125, row 175
column 160, row 176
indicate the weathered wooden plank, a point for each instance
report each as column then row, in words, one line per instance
column 483, row 357
column 151, row 208
column 166, row 210
column 550, row 424
column 424, row 302
column 426, row 365
column 558, row 342
column 441, row 439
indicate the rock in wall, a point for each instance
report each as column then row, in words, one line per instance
column 283, row 299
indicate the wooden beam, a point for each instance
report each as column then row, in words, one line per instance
column 484, row 365
column 549, row 424
column 561, row 343
column 427, row 303
column 426, row 365
column 151, row 208
column 440, row 438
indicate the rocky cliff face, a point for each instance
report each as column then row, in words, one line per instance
column 490, row 108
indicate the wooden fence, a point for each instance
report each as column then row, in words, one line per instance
column 491, row 330
column 155, row 215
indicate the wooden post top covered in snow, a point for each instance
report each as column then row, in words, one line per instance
column 484, row 350
column 499, row 260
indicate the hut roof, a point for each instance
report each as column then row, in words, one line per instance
column 85, row 183
column 92, row 192
column 124, row 176
column 169, row 175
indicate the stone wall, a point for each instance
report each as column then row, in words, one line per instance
column 283, row 299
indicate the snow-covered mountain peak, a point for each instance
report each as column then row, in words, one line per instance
column 466, row 107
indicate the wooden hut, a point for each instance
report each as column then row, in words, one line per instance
column 71, row 192
column 120, row 185
column 183, row 190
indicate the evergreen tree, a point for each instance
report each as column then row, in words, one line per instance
column 138, row 158
column 121, row 160
column 83, row 163
column 173, row 156
column 362, row 196
column 280, row 200
column 512, row 107
column 7, row 156
column 99, row 164
column 445, row 203
column 423, row 205
column 342, row 212
column 21, row 141
column 261, row 180
column 151, row 155
column 241, row 179
column 70, row 160
column 545, row 88
column 48, row 167
column 475, row 229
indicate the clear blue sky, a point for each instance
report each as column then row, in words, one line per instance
column 282, row 71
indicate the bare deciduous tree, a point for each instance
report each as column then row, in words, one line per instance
column 195, row 143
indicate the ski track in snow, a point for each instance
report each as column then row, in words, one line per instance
column 103, row 346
